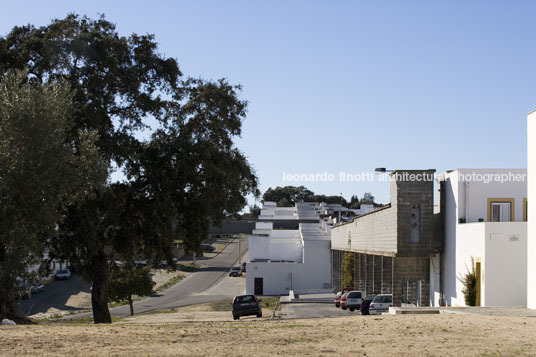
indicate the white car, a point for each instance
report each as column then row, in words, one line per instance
column 235, row 271
column 353, row 300
column 62, row 274
column 381, row 303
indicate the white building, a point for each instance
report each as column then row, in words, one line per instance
column 311, row 211
column 531, row 242
column 485, row 213
column 283, row 260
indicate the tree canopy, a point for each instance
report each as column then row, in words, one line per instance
column 287, row 196
column 41, row 170
column 185, row 176
column 127, row 281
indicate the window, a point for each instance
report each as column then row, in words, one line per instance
column 500, row 209
column 415, row 223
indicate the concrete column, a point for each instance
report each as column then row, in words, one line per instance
column 531, row 202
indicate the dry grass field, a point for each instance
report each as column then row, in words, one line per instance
column 416, row 335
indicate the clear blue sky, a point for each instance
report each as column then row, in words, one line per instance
column 347, row 86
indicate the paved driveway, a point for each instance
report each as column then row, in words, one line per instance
column 56, row 295
column 194, row 289
column 312, row 310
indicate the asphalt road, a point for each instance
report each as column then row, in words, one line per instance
column 213, row 267
column 55, row 295
column 186, row 292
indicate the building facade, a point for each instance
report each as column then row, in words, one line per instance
column 484, row 222
column 282, row 259
column 531, row 229
column 392, row 248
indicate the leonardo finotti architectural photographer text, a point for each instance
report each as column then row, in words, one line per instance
column 372, row 176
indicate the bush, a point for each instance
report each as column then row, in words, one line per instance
column 469, row 283
column 348, row 270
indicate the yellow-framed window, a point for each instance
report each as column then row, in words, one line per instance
column 501, row 209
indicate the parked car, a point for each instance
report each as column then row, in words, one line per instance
column 365, row 304
column 62, row 274
column 380, row 303
column 235, row 271
column 353, row 300
column 207, row 247
column 245, row 305
column 140, row 263
column 337, row 299
column 243, row 267
column 343, row 300
column 37, row 287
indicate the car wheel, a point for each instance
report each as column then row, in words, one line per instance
column 344, row 308
column 352, row 309
column 236, row 317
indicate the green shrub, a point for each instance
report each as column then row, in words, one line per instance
column 348, row 270
column 469, row 283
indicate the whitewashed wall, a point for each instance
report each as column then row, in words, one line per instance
column 373, row 232
column 500, row 246
column 279, row 278
column 472, row 196
column 531, row 240
column 470, row 243
column 505, row 270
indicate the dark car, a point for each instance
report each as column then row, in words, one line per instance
column 207, row 247
column 243, row 267
column 365, row 304
column 245, row 305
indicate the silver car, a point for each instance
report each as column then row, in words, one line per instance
column 62, row 274
column 235, row 271
column 381, row 303
column 353, row 300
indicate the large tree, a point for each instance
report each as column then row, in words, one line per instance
column 188, row 174
column 287, row 196
column 41, row 171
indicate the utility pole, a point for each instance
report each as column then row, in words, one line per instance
column 340, row 210
column 239, row 250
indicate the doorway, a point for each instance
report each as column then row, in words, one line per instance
column 258, row 286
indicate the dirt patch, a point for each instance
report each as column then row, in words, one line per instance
column 445, row 334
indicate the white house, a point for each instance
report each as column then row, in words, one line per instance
column 484, row 215
column 281, row 260
column 531, row 241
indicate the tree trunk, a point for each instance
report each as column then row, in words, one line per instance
column 131, row 303
column 7, row 301
column 8, row 309
column 99, row 292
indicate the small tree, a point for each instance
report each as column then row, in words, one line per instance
column 469, row 282
column 348, row 270
column 127, row 281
